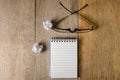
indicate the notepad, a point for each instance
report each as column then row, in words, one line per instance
column 63, row 58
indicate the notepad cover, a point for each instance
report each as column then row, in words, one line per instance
column 63, row 58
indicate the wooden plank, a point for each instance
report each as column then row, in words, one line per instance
column 51, row 10
column 16, row 39
column 100, row 53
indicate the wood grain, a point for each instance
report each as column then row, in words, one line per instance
column 100, row 53
column 16, row 39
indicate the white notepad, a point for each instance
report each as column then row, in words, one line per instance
column 63, row 58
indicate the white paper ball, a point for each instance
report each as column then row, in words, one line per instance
column 37, row 48
column 47, row 24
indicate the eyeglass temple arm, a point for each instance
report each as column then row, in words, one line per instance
column 80, row 9
column 65, row 7
column 74, row 11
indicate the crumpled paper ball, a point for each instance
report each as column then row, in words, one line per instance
column 47, row 24
column 37, row 48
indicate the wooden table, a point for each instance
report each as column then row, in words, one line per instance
column 21, row 27
column 100, row 53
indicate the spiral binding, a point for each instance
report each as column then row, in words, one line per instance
column 63, row 39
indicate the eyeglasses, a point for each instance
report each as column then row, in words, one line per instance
column 69, row 30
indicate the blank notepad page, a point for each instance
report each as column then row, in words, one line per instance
column 63, row 58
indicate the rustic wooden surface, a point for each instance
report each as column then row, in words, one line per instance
column 16, row 39
column 100, row 53
column 98, row 50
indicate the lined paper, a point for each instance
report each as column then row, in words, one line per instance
column 63, row 55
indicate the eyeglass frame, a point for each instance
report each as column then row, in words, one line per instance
column 76, row 30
